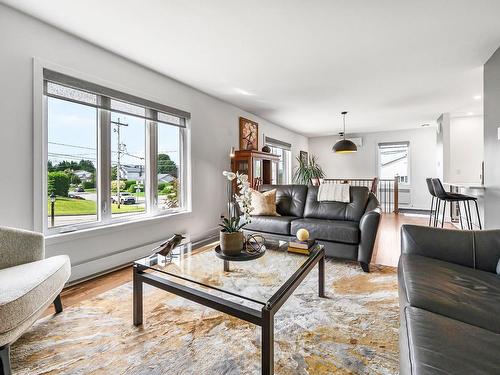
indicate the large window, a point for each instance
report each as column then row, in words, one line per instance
column 393, row 159
column 282, row 149
column 110, row 156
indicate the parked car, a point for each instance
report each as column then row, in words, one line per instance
column 79, row 189
column 125, row 198
column 75, row 196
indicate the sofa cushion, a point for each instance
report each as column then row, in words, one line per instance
column 271, row 224
column 329, row 230
column 477, row 249
column 440, row 345
column 290, row 199
column 27, row 287
column 486, row 249
column 351, row 211
column 462, row 293
column 263, row 203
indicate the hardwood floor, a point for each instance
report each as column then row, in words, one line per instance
column 386, row 252
column 388, row 244
column 75, row 294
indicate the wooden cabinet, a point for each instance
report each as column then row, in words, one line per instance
column 256, row 164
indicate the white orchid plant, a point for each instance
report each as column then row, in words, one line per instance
column 232, row 223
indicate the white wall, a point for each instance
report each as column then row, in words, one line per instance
column 363, row 164
column 214, row 129
column 443, row 146
column 460, row 148
column 466, row 149
column 491, row 142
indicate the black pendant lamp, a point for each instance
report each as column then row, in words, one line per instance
column 344, row 146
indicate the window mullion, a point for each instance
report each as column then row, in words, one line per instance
column 151, row 188
column 104, row 163
column 182, row 170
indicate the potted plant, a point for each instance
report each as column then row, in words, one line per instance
column 232, row 239
column 308, row 171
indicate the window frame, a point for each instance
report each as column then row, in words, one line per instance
column 286, row 152
column 103, row 178
column 408, row 157
column 285, row 159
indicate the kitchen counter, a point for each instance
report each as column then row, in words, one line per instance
column 466, row 185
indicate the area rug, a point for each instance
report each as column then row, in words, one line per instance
column 352, row 331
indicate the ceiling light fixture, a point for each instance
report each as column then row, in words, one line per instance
column 477, row 97
column 470, row 113
column 344, row 146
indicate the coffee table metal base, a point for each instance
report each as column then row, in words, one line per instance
column 263, row 318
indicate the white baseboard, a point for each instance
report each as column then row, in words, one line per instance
column 100, row 266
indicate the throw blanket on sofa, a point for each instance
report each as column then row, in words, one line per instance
column 333, row 192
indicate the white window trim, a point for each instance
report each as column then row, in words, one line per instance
column 289, row 167
column 404, row 184
column 286, row 165
column 40, row 148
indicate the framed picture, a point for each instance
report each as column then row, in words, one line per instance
column 303, row 157
column 249, row 134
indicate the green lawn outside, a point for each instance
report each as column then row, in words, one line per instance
column 126, row 208
column 69, row 206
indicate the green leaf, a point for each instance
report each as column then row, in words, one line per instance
column 307, row 171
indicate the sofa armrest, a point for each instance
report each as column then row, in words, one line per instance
column 368, row 227
column 454, row 246
column 19, row 246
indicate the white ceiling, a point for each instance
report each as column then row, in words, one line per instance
column 392, row 64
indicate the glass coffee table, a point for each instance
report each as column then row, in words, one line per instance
column 253, row 290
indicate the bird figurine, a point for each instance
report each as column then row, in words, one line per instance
column 166, row 247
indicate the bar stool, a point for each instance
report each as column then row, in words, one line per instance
column 445, row 196
column 433, row 195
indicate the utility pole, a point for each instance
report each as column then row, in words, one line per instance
column 121, row 148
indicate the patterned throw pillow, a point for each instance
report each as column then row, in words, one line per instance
column 264, row 203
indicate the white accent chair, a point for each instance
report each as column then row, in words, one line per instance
column 29, row 283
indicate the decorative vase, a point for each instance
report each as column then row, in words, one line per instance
column 232, row 243
column 266, row 148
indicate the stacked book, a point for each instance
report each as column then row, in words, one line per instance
column 301, row 247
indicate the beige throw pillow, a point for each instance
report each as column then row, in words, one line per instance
column 264, row 203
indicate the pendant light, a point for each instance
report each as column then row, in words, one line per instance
column 344, row 146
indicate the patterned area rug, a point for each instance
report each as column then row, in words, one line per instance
column 353, row 330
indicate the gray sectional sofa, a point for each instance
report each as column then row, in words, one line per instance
column 347, row 230
column 449, row 295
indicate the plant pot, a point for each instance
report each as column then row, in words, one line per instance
column 231, row 243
